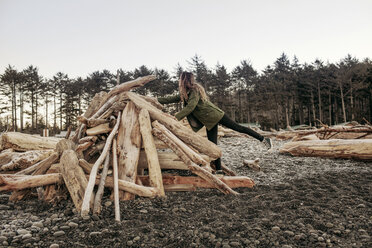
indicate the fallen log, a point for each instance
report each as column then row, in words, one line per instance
column 200, row 143
column 336, row 148
column 23, row 181
column 15, row 160
column 100, row 129
column 22, row 142
column 232, row 182
column 167, row 160
column 91, row 122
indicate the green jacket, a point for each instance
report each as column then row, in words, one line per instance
column 204, row 111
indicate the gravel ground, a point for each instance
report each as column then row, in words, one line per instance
column 297, row 202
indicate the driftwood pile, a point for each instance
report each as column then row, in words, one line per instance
column 120, row 137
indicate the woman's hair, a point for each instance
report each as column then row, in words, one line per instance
column 186, row 83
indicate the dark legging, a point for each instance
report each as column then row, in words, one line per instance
column 227, row 122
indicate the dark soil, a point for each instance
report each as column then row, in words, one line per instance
column 297, row 202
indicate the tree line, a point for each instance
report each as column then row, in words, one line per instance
column 284, row 94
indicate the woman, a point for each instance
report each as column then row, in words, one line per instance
column 201, row 112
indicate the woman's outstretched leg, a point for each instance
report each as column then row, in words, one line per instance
column 227, row 122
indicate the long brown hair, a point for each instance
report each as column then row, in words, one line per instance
column 186, row 83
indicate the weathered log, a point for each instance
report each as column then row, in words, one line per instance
column 65, row 144
column 18, row 182
column 179, row 187
column 200, row 143
column 88, row 139
column 227, row 170
column 22, row 142
column 153, row 101
column 158, row 143
column 129, row 146
column 74, row 177
column 130, row 187
column 91, row 122
column 15, row 160
column 195, row 157
column 115, row 179
column 44, row 163
column 141, row 81
column 253, row 164
column 335, row 148
column 192, row 166
column 151, row 152
column 97, row 201
column 103, row 128
column 93, row 174
column 167, row 160
column 84, row 146
column 55, row 192
column 232, row 182
column 87, row 167
column 307, row 137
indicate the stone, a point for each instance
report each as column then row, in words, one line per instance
column 38, row 224
column 64, row 227
column 329, row 225
column 108, row 203
column 4, row 207
column 3, row 238
column 27, row 236
column 54, row 216
column 361, row 205
column 320, row 239
column 234, row 244
column 59, row 234
column 54, row 246
column 22, row 231
column 136, row 238
column 130, row 243
column 73, row 224
column 143, row 211
column 94, row 234
column 289, row 233
column 286, row 246
column 275, row 229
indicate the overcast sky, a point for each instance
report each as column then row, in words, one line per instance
column 79, row 37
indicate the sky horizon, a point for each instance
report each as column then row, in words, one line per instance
column 80, row 37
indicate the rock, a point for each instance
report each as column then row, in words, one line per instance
column 59, row 234
column 3, row 238
column 73, row 224
column 361, row 206
column 54, row 216
column 143, row 211
column 289, row 233
column 54, row 246
column 22, row 231
column 27, row 236
column 108, row 203
column 320, row 239
column 329, row 225
column 5, row 243
column 38, row 224
column 234, row 244
column 130, row 243
column 4, row 207
column 34, row 218
column 94, row 234
column 64, row 227
column 286, row 246
column 136, row 238
column 275, row 229
column 95, row 217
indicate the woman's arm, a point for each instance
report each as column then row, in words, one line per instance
column 169, row 99
column 191, row 104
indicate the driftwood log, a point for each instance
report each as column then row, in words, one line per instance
column 335, row 148
column 25, row 142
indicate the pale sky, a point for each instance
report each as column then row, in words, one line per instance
column 79, row 37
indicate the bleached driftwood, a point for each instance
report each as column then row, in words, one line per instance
column 25, row 142
column 97, row 201
column 74, row 177
column 11, row 161
column 93, row 174
column 334, row 148
column 100, row 129
column 115, row 179
column 253, row 164
column 129, row 146
column 151, row 152
column 18, row 182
